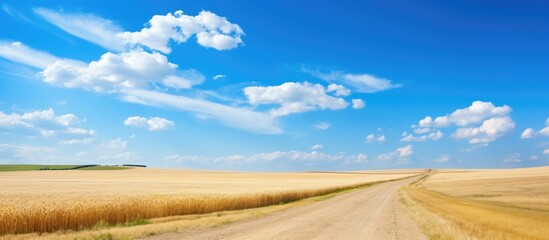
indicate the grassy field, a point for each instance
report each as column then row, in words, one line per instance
column 104, row 168
column 34, row 167
column 482, row 204
column 31, row 167
column 47, row 201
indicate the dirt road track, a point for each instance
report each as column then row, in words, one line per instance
column 370, row 213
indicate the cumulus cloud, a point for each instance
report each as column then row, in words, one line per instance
column 545, row 131
column 47, row 124
column 322, row 125
column 114, row 72
column 358, row 104
column 338, row 90
column 363, row 83
column 211, row 31
column 152, row 124
column 400, row 154
column 317, row 147
column 528, row 133
column 435, row 136
column 489, row 131
column 294, row 98
column 375, row 138
column 131, row 73
column 476, row 113
column 495, row 122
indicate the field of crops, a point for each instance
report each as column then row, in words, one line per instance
column 47, row 201
column 482, row 204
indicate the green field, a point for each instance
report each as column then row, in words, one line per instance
column 31, row 167
column 35, row 167
column 104, row 168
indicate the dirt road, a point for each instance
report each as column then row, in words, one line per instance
column 371, row 213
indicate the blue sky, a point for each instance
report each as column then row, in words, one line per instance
column 280, row 86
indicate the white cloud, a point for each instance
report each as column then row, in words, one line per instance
column 358, row 104
column 294, row 98
column 528, row 133
column 373, row 138
column 116, row 143
column 241, row 118
column 27, row 154
column 86, row 26
column 534, row 158
column 546, row 151
column 211, row 31
column 19, row 53
column 313, row 158
column 47, row 124
column 476, row 113
column 317, row 147
column 489, row 131
column 513, row 158
column 152, row 124
column 400, row 154
column 130, row 73
column 435, row 136
column 114, row 72
column 77, row 141
column 338, row 89
column 322, row 125
column 219, row 76
column 545, row 131
column 495, row 123
column 443, row 159
column 184, row 80
column 364, row 83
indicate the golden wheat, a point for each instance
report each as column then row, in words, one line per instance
column 482, row 204
column 51, row 201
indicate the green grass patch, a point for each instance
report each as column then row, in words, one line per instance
column 104, row 168
column 32, row 167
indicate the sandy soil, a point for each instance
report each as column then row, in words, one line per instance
column 371, row 213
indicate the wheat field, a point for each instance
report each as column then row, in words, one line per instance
column 48, row 201
column 481, row 204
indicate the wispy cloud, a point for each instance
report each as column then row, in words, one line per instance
column 297, row 159
column 100, row 31
column 19, row 53
column 358, row 82
column 322, row 125
column 231, row 116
